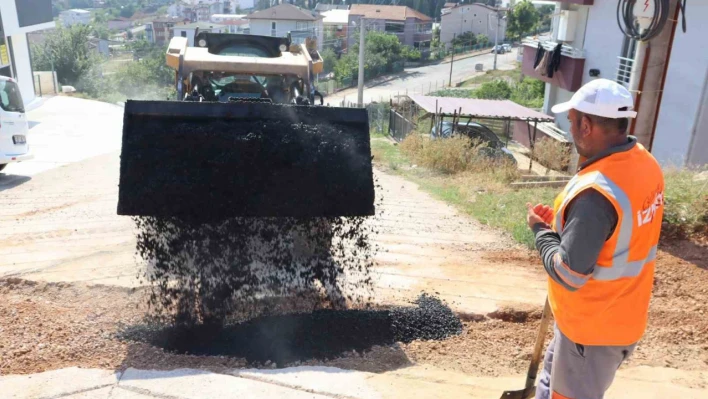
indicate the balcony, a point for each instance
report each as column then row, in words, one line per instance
column 569, row 75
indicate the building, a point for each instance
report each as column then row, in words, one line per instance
column 335, row 25
column 75, row 17
column 204, row 10
column 242, row 5
column 239, row 26
column 412, row 27
column 221, row 18
column 477, row 18
column 189, row 30
column 286, row 18
column 672, row 108
column 17, row 19
column 119, row 23
column 321, row 7
column 160, row 30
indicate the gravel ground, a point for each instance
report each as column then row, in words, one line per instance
column 47, row 326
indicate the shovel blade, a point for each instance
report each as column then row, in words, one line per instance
column 520, row 394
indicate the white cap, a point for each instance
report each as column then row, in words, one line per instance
column 601, row 97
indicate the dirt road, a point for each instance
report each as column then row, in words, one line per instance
column 68, row 284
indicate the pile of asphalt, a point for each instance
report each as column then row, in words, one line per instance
column 202, row 273
column 322, row 334
column 210, row 161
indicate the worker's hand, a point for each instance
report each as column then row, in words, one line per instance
column 539, row 214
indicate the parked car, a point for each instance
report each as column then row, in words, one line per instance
column 476, row 131
column 507, row 47
column 13, row 124
column 499, row 49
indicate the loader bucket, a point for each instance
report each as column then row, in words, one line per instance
column 210, row 161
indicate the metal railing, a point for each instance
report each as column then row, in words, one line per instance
column 549, row 45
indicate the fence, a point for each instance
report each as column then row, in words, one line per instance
column 45, row 83
column 398, row 126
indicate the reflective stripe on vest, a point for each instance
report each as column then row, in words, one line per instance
column 621, row 266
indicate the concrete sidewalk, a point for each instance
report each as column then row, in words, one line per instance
column 321, row 383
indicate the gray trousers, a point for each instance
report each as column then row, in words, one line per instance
column 576, row 371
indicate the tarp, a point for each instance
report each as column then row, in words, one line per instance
column 476, row 108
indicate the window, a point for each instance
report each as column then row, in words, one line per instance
column 183, row 33
column 626, row 60
column 273, row 28
column 10, row 98
column 395, row 27
column 303, row 25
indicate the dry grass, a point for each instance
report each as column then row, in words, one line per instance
column 552, row 154
column 686, row 198
column 456, row 154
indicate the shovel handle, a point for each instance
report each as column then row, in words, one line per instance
column 537, row 350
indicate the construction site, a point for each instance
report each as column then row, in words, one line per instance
column 248, row 241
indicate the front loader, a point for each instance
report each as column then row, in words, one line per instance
column 245, row 141
column 244, row 138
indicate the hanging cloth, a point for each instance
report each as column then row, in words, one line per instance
column 543, row 65
column 540, row 51
column 555, row 60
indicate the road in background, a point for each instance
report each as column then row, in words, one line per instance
column 421, row 80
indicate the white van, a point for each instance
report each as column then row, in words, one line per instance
column 13, row 124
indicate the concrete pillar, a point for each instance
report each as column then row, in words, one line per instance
column 651, row 85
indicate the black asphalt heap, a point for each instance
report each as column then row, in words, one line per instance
column 210, row 161
column 202, row 273
column 297, row 337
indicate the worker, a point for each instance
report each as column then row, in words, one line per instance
column 598, row 245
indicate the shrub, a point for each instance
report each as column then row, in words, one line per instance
column 686, row 204
column 494, row 90
column 552, row 154
column 453, row 155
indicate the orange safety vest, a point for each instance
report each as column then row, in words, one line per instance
column 611, row 307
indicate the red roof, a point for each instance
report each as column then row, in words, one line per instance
column 479, row 108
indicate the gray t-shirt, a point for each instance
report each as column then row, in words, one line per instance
column 590, row 219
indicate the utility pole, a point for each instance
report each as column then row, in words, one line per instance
column 496, row 39
column 361, row 63
column 452, row 60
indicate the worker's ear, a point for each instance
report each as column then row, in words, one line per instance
column 586, row 125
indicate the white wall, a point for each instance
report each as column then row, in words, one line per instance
column 599, row 36
column 262, row 27
column 177, row 31
column 603, row 41
column 12, row 25
column 683, row 89
column 475, row 19
column 23, row 71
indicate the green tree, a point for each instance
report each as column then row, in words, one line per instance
column 329, row 59
column 465, row 39
column 100, row 30
column 383, row 52
column 80, row 4
column 129, row 34
column 68, row 49
column 494, row 90
column 522, row 19
column 127, row 11
column 546, row 16
column 482, row 39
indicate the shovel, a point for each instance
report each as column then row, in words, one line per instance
column 529, row 389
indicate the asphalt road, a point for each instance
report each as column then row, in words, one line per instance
column 422, row 80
